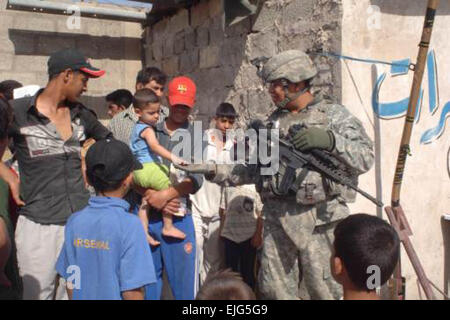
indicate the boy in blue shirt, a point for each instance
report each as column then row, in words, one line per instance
column 105, row 253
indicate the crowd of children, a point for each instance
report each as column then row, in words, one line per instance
column 183, row 225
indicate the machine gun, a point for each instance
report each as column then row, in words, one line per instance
column 317, row 160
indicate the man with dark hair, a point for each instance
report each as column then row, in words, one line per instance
column 118, row 101
column 122, row 124
column 7, row 88
column 225, row 285
column 364, row 246
column 151, row 78
column 47, row 131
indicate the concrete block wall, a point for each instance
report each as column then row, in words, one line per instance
column 196, row 43
column 28, row 38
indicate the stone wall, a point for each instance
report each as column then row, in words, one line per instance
column 28, row 38
column 196, row 43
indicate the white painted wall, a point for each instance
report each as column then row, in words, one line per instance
column 393, row 34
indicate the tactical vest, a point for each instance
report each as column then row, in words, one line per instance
column 309, row 187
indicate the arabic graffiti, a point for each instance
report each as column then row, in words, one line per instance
column 391, row 110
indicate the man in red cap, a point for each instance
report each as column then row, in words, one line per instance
column 47, row 132
column 177, row 257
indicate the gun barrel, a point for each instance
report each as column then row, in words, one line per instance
column 315, row 160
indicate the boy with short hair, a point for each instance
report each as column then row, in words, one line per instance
column 118, row 101
column 206, row 202
column 146, row 149
column 105, row 251
column 362, row 241
column 225, row 285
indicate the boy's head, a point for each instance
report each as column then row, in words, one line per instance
column 109, row 166
column 225, row 117
column 7, row 88
column 70, row 70
column 147, row 106
column 151, row 78
column 118, row 101
column 181, row 97
column 362, row 241
column 225, row 285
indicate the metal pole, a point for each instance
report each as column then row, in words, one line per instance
column 85, row 11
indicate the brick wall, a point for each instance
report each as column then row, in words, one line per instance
column 194, row 42
column 27, row 39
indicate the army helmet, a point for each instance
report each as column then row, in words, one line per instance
column 292, row 65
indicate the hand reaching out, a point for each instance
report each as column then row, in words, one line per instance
column 178, row 161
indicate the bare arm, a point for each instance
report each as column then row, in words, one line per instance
column 172, row 207
column 136, row 294
column 159, row 199
column 149, row 135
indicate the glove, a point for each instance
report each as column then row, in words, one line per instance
column 313, row 138
column 208, row 169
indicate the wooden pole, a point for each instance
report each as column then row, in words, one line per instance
column 395, row 214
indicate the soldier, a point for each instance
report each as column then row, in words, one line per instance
column 298, row 229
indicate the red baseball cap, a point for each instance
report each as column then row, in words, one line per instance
column 182, row 91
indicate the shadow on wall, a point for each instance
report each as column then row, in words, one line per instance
column 445, row 224
column 41, row 43
column 96, row 104
column 410, row 7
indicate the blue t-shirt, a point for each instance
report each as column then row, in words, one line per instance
column 105, row 251
column 141, row 150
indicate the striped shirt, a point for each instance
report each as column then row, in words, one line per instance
column 123, row 123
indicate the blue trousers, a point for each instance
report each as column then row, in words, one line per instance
column 176, row 256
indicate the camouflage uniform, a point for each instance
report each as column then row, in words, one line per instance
column 298, row 228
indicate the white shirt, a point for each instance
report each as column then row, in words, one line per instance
column 206, row 201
